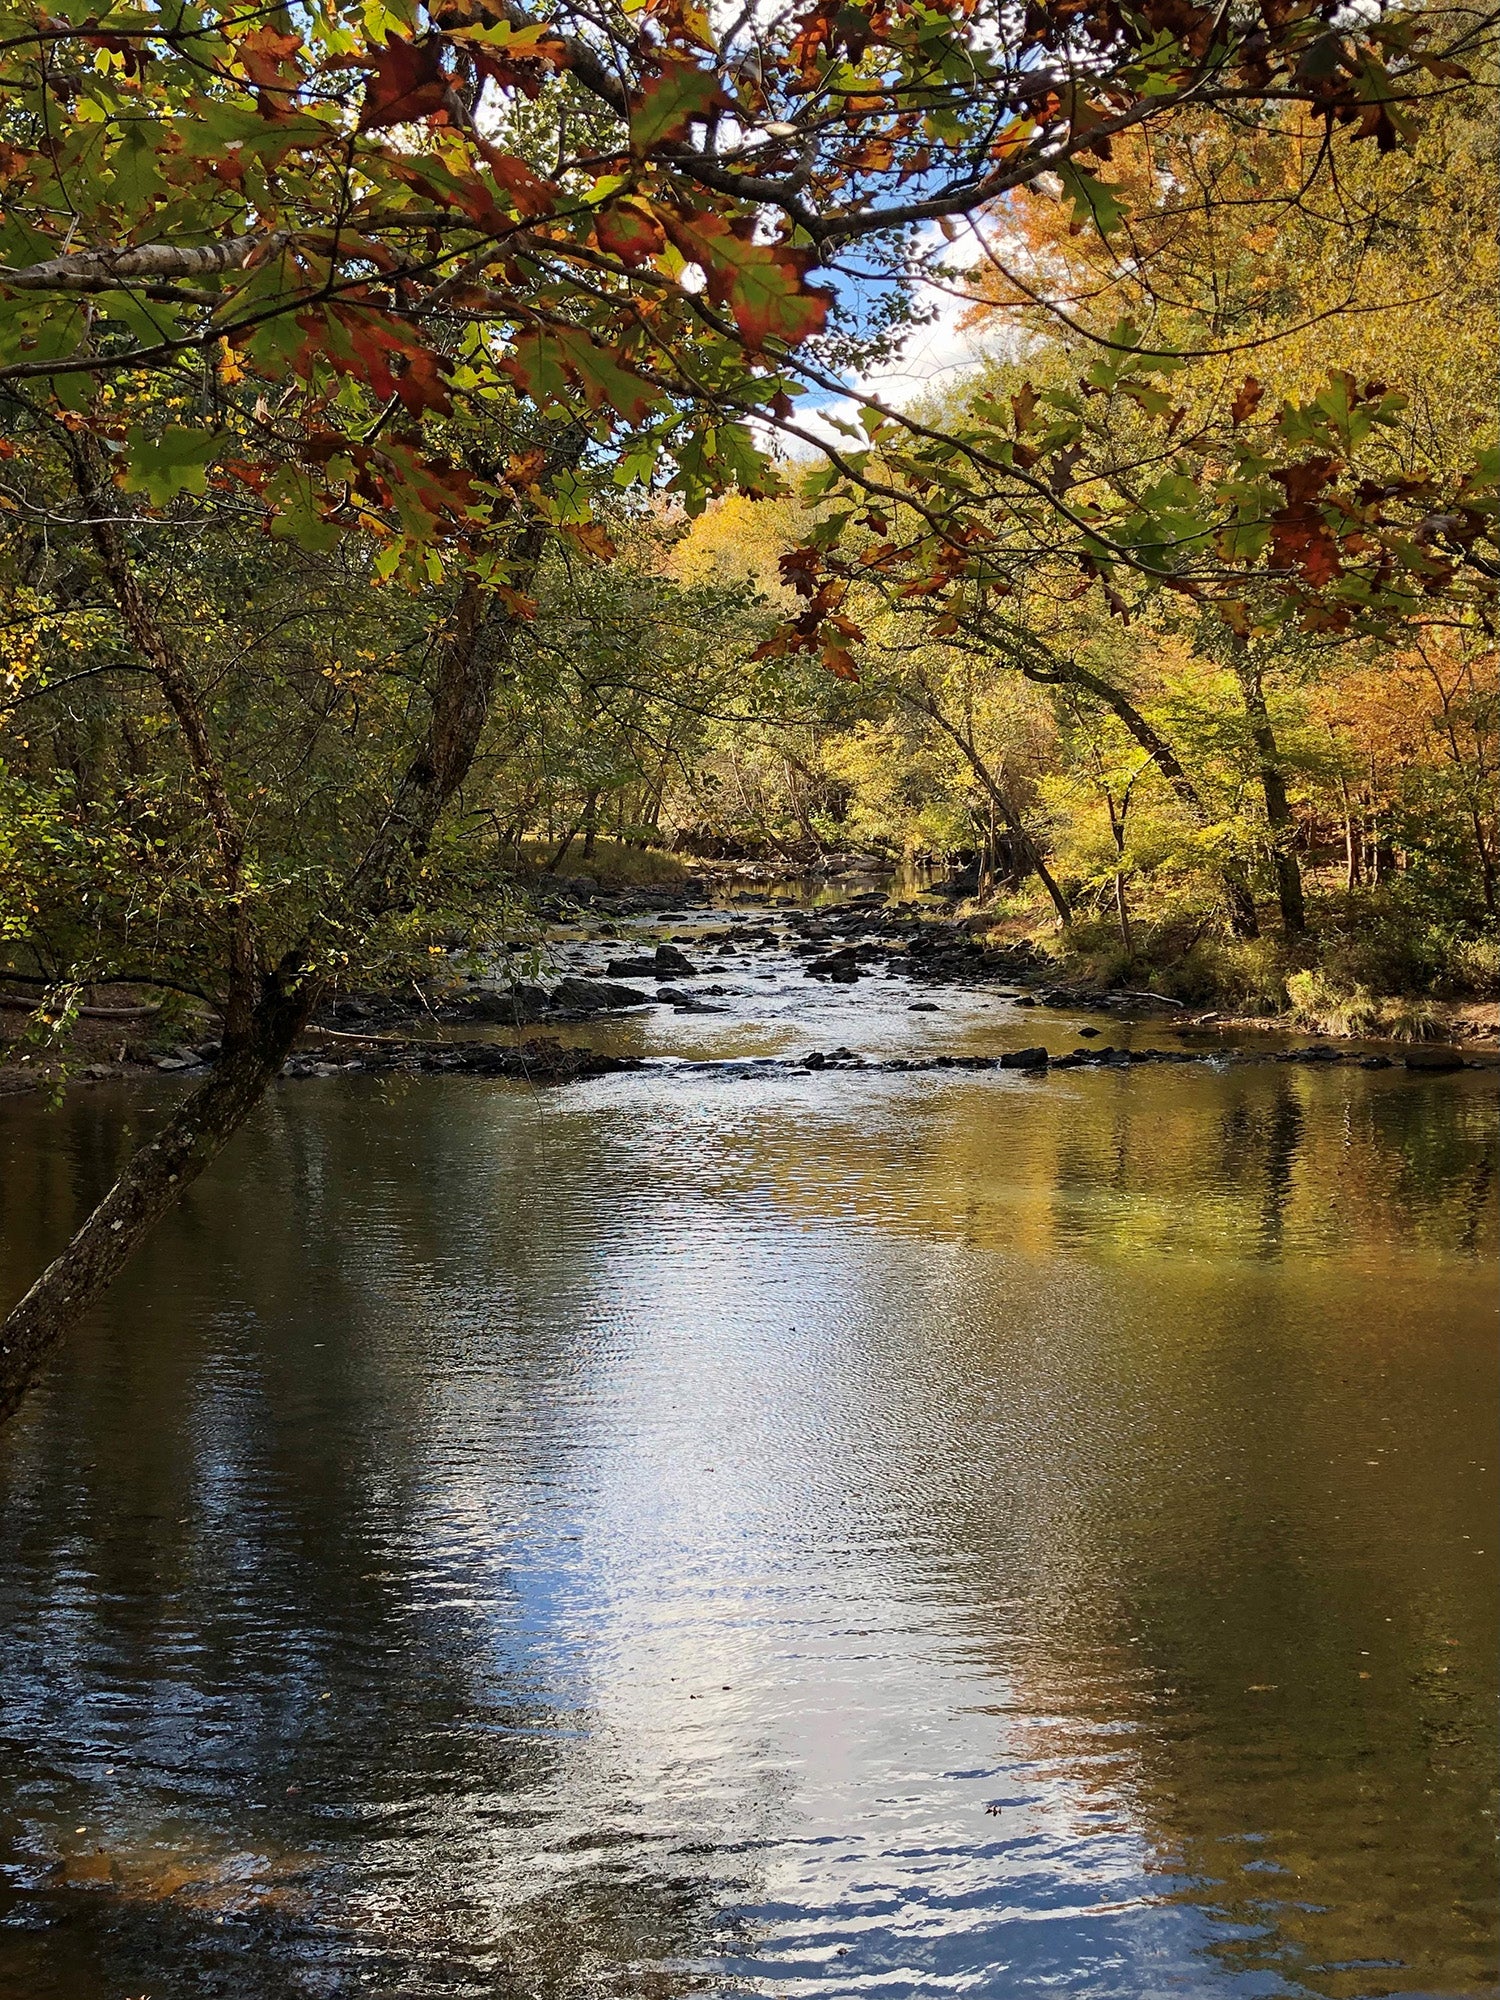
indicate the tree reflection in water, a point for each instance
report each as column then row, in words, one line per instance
column 725, row 1537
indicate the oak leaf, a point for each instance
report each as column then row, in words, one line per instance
column 408, row 82
column 763, row 284
column 1246, row 400
column 628, row 230
column 670, row 102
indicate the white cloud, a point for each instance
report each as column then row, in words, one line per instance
column 933, row 357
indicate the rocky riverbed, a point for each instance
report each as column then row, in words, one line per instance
column 864, row 983
column 666, row 977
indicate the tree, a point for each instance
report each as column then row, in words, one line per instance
column 274, row 264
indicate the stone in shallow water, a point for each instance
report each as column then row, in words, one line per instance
column 674, row 964
column 1435, row 1059
column 595, row 995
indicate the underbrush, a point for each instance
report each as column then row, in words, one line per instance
column 1381, row 962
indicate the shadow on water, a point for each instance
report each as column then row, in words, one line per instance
column 911, row 1534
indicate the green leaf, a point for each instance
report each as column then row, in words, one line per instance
column 176, row 461
column 1094, row 201
column 135, row 177
column 670, row 103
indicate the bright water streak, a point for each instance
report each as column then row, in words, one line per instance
column 807, row 1535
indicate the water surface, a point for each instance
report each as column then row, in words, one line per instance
column 820, row 1534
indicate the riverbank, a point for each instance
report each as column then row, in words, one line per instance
column 859, row 982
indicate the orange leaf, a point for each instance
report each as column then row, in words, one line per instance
column 1246, row 400
column 266, row 57
column 532, row 196
column 588, row 535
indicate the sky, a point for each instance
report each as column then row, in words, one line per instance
column 933, row 358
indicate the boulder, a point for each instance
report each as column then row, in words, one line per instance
column 670, row 963
column 1433, row 1059
column 842, row 967
column 596, row 996
column 521, row 1002
column 1025, row 1059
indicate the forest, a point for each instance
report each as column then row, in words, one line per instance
column 749, row 999
column 443, row 447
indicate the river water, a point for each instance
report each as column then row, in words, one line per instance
column 700, row 1532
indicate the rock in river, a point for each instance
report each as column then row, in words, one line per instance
column 670, row 963
column 595, row 996
column 842, row 967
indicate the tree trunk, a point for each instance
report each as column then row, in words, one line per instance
column 1122, row 907
column 153, row 1178
column 1038, row 664
column 561, row 853
column 999, row 801
column 1279, row 819
column 480, row 637
column 1122, row 913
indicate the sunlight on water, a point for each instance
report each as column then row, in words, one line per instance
column 832, row 1535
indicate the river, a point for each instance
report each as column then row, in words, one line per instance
column 707, row 1532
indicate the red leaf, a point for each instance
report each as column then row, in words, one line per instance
column 1305, row 480
column 408, row 83
column 543, row 364
column 420, row 384
column 471, row 197
column 628, row 230
column 377, row 349
column 762, row 284
column 1301, row 539
column 524, row 73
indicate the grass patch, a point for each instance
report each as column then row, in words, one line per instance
column 612, row 865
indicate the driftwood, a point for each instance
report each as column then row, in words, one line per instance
column 140, row 1012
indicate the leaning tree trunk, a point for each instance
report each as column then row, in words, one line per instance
column 999, row 801
column 152, row 1179
column 1038, row 663
column 1238, row 898
column 480, row 640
